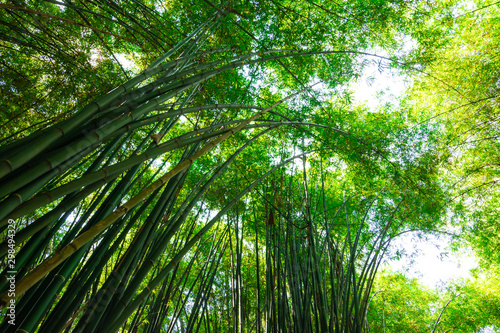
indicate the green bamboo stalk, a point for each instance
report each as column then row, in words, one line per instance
column 257, row 266
column 91, row 140
column 119, row 273
column 59, row 130
column 34, row 316
column 80, row 284
column 104, row 175
column 86, row 237
column 45, row 300
column 99, row 252
column 123, row 315
column 179, row 218
column 15, row 199
column 207, row 274
column 44, row 223
column 56, row 159
column 181, row 290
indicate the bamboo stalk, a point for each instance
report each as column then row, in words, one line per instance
column 86, row 237
column 178, row 257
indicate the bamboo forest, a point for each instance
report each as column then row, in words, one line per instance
column 249, row 166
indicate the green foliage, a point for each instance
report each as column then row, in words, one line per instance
column 263, row 218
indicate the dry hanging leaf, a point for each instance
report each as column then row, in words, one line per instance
column 156, row 137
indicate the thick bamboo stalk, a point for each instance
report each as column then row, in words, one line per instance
column 130, row 257
column 104, row 175
column 16, row 199
column 179, row 218
column 59, row 130
column 46, row 219
column 178, row 257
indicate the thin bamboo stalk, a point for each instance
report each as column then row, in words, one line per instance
column 57, row 258
column 178, row 257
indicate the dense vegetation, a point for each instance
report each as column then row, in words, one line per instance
column 195, row 166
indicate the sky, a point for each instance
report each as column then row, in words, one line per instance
column 431, row 262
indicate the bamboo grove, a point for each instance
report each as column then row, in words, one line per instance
column 227, row 183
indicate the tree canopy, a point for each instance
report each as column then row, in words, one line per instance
column 201, row 166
